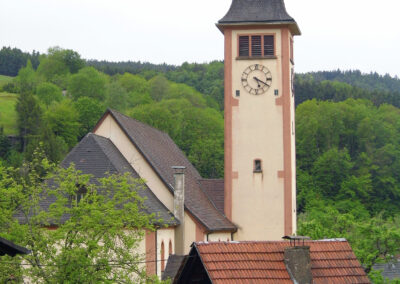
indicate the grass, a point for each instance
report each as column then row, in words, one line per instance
column 5, row 79
column 8, row 115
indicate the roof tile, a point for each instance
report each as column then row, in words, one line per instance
column 263, row 262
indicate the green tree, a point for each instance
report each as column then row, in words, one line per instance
column 97, row 242
column 62, row 118
column 134, row 83
column 159, row 87
column 26, row 79
column 117, row 96
column 48, row 92
column 29, row 117
column 89, row 112
column 88, row 82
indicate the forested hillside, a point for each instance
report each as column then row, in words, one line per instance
column 347, row 133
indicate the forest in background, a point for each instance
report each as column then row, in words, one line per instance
column 347, row 132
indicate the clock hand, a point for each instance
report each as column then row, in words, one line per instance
column 259, row 81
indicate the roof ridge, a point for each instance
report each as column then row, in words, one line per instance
column 109, row 158
column 138, row 121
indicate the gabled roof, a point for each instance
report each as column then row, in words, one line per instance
column 9, row 248
column 258, row 12
column 162, row 154
column 98, row 156
column 173, row 264
column 332, row 261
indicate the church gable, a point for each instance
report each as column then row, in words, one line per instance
column 152, row 153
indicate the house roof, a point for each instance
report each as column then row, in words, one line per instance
column 98, row 156
column 173, row 264
column 258, row 12
column 332, row 261
column 389, row 270
column 214, row 188
column 162, row 154
column 9, row 248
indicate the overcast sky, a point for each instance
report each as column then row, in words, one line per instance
column 345, row 34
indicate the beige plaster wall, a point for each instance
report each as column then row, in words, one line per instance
column 257, row 198
column 190, row 232
column 164, row 235
column 110, row 129
column 219, row 237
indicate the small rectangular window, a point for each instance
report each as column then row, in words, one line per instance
column 244, row 46
column 257, row 166
column 269, row 45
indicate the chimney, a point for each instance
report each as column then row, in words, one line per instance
column 179, row 208
column 298, row 261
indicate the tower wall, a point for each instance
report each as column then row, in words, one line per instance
column 260, row 127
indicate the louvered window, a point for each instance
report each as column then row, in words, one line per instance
column 244, row 46
column 268, row 45
column 256, row 45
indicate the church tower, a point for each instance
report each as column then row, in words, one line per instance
column 260, row 161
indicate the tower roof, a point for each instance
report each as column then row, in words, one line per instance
column 258, row 12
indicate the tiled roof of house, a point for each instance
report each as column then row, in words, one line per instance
column 162, row 154
column 263, row 262
column 214, row 188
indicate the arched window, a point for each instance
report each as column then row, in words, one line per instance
column 162, row 256
column 170, row 248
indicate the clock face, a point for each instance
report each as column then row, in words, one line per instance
column 256, row 79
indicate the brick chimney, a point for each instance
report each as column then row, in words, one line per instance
column 298, row 264
column 179, row 208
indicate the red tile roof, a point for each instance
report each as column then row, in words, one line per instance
column 332, row 261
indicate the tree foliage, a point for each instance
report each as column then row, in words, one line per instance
column 48, row 92
column 88, row 82
column 90, row 238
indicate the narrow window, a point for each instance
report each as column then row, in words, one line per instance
column 244, row 46
column 269, row 45
column 256, row 46
column 80, row 193
column 162, row 256
column 257, row 166
column 170, row 248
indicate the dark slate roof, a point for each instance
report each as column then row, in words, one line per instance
column 9, row 248
column 173, row 264
column 390, row 270
column 214, row 188
column 258, row 11
column 162, row 154
column 98, row 156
